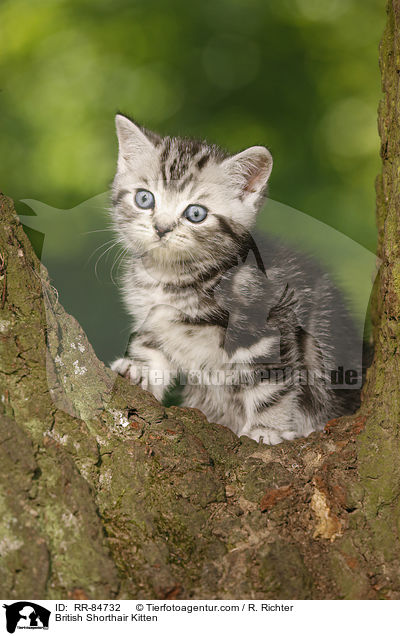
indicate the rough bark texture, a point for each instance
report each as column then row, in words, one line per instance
column 171, row 506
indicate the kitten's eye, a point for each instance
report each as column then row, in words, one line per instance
column 144, row 199
column 195, row 213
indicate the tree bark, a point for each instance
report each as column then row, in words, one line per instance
column 107, row 494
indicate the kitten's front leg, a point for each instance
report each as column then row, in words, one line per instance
column 148, row 368
column 128, row 369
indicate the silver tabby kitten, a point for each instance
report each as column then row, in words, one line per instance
column 205, row 303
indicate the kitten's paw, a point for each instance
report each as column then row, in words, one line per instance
column 128, row 369
column 271, row 436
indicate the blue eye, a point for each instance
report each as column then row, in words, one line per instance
column 144, row 199
column 195, row 213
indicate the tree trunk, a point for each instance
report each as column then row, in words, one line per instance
column 107, row 494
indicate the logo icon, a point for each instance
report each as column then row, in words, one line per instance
column 26, row 615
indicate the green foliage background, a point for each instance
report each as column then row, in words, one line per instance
column 300, row 76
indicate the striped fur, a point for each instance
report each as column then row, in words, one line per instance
column 206, row 301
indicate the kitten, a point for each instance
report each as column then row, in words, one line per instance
column 239, row 325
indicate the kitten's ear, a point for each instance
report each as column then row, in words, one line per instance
column 132, row 139
column 249, row 170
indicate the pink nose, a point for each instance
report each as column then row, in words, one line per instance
column 162, row 230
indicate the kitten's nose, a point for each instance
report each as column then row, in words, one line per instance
column 162, row 230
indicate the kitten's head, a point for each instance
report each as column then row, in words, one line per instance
column 184, row 200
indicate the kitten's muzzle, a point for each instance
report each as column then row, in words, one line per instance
column 161, row 230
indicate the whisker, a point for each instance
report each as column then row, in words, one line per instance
column 101, row 246
column 118, row 259
column 114, row 244
column 95, row 231
column 121, row 260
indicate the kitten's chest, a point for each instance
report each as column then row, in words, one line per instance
column 169, row 305
column 176, row 321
